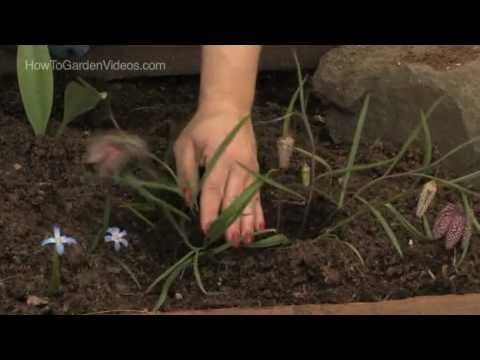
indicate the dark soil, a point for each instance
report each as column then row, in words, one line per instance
column 43, row 182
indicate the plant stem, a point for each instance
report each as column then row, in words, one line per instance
column 55, row 280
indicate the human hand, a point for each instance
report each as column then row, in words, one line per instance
column 195, row 147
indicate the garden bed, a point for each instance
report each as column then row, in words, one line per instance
column 43, row 182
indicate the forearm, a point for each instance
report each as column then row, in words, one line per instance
column 229, row 75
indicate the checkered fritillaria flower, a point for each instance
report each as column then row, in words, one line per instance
column 453, row 225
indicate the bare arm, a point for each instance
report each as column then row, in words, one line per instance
column 229, row 74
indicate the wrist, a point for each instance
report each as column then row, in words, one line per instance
column 223, row 106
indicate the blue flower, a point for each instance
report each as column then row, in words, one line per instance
column 117, row 237
column 59, row 240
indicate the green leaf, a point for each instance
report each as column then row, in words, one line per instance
column 271, row 182
column 196, row 271
column 386, row 227
column 316, row 158
column 35, row 80
column 427, row 228
column 80, row 98
column 272, row 241
column 405, row 223
column 473, row 222
column 150, row 197
column 355, row 251
column 107, row 211
column 185, row 260
column 353, row 151
column 233, row 212
column 220, row 150
column 168, row 283
column 179, row 230
column 290, row 112
column 128, row 271
column 156, row 185
column 138, row 214
column 356, row 168
column 413, row 135
column 427, row 139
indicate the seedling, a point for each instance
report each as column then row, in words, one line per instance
column 59, row 241
column 36, row 79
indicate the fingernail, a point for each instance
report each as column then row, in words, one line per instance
column 187, row 194
column 248, row 238
column 235, row 239
column 206, row 228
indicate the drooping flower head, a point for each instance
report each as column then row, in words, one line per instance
column 59, row 240
column 112, row 151
column 452, row 224
column 427, row 195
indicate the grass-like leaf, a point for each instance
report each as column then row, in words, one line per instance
column 413, row 135
column 355, row 251
column 405, row 223
column 356, row 168
column 473, row 222
column 36, row 85
column 272, row 182
column 150, row 197
column 196, row 271
column 138, row 214
column 272, row 241
column 317, row 158
column 127, row 270
column 179, row 230
column 388, row 230
column 427, row 140
column 165, row 166
column 427, row 228
column 155, row 185
column 186, row 259
column 353, row 151
column 221, row 149
column 107, row 211
column 168, row 283
column 287, row 119
column 232, row 213
column 466, row 178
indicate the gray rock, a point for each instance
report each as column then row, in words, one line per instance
column 402, row 81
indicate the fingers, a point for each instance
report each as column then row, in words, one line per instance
column 253, row 220
column 241, row 232
column 235, row 186
column 212, row 196
column 187, row 170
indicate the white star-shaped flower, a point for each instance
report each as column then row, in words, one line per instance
column 117, row 237
column 59, row 240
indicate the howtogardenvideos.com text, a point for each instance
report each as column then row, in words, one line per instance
column 103, row 65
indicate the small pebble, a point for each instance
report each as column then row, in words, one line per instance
column 17, row 167
column 36, row 301
column 178, row 296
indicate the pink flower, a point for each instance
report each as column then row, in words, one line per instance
column 111, row 152
column 453, row 225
